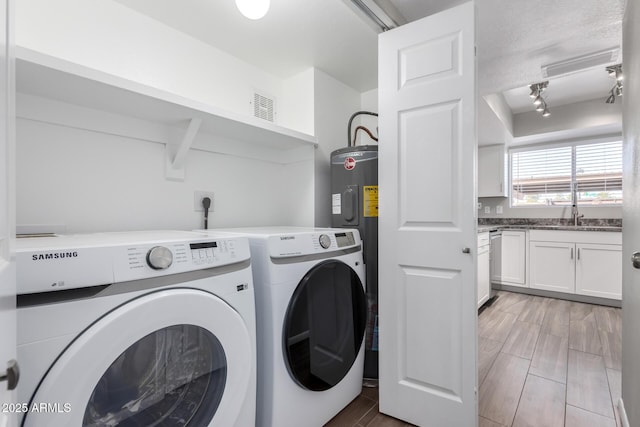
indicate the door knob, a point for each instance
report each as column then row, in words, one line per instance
column 635, row 259
column 12, row 375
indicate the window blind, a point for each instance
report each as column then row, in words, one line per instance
column 599, row 168
column 546, row 176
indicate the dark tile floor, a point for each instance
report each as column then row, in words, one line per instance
column 363, row 412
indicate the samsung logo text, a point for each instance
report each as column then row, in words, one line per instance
column 55, row 255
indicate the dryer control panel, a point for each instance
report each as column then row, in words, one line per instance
column 298, row 244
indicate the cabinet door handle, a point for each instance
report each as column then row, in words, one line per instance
column 571, row 253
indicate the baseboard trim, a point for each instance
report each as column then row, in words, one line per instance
column 624, row 420
column 559, row 295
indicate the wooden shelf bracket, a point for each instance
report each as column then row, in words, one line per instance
column 175, row 156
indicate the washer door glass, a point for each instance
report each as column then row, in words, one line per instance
column 171, row 377
column 156, row 360
column 324, row 325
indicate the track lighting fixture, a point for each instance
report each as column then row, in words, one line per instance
column 538, row 101
column 616, row 72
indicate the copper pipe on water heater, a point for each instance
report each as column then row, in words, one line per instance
column 353, row 116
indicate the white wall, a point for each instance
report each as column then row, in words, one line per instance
column 99, row 179
column 335, row 102
column 110, row 37
column 297, row 105
column 581, row 115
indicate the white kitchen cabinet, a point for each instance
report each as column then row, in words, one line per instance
column 492, row 171
column 484, row 282
column 599, row 270
column 552, row 266
column 576, row 262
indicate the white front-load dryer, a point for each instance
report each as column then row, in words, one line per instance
column 311, row 318
column 136, row 329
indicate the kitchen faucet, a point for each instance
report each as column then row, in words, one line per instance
column 574, row 206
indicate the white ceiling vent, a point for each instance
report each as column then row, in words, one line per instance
column 264, row 107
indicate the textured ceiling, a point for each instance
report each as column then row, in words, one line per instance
column 515, row 37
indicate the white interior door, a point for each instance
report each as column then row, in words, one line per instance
column 7, row 264
column 428, row 319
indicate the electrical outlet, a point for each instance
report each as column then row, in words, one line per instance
column 197, row 200
column 487, row 209
column 499, row 209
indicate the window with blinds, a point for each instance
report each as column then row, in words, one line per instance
column 547, row 176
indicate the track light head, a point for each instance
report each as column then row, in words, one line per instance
column 618, row 90
column 546, row 112
column 611, row 99
column 536, row 93
column 616, row 71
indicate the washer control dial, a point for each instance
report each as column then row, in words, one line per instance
column 159, row 257
column 325, row 241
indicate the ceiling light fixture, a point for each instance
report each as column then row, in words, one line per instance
column 616, row 72
column 253, row 9
column 579, row 63
column 539, row 102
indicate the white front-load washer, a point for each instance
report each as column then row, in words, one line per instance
column 311, row 317
column 136, row 329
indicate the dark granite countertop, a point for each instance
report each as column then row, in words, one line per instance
column 588, row 224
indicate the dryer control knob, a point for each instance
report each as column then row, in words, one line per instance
column 325, row 241
column 159, row 258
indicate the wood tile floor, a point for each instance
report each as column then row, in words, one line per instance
column 542, row 362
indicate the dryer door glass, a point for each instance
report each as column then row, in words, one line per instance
column 173, row 376
column 324, row 325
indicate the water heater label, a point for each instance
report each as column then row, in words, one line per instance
column 336, row 204
column 370, row 200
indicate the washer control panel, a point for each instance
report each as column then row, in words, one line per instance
column 171, row 258
column 57, row 263
column 297, row 244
